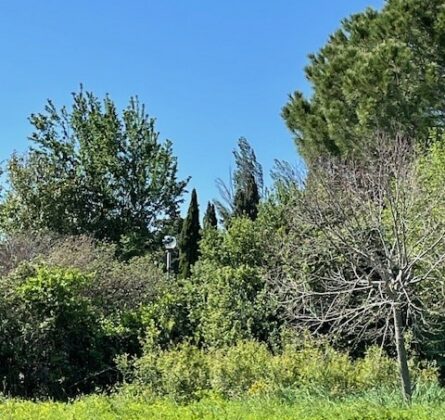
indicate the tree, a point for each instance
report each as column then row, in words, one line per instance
column 189, row 239
column 210, row 220
column 53, row 344
column 91, row 171
column 247, row 199
column 228, row 297
column 242, row 196
column 381, row 70
column 380, row 228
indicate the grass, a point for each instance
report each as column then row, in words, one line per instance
column 380, row 405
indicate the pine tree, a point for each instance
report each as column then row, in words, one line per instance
column 189, row 238
column 210, row 220
column 380, row 71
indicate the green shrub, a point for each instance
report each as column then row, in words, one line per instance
column 166, row 321
column 236, row 370
column 250, row 368
column 375, row 369
column 239, row 245
column 227, row 297
column 68, row 307
column 228, row 304
column 55, row 337
column 181, row 373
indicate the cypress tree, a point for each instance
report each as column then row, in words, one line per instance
column 189, row 238
column 242, row 196
column 210, row 220
column 247, row 199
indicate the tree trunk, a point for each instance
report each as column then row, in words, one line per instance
column 401, row 354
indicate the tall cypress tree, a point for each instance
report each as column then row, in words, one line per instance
column 243, row 194
column 247, row 198
column 210, row 219
column 189, row 238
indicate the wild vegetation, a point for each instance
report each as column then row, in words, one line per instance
column 320, row 296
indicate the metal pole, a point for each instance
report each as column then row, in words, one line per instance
column 169, row 261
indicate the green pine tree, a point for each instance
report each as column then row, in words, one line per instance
column 380, row 71
column 210, row 220
column 189, row 238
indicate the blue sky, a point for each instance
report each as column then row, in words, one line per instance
column 209, row 71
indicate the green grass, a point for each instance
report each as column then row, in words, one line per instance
column 374, row 406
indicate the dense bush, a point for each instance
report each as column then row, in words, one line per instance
column 250, row 368
column 229, row 304
column 54, row 343
column 67, row 309
column 240, row 244
column 166, row 321
column 227, row 297
column 118, row 285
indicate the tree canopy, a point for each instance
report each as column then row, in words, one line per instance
column 92, row 171
column 381, row 71
column 210, row 220
column 241, row 197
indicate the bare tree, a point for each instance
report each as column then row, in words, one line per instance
column 377, row 229
column 19, row 247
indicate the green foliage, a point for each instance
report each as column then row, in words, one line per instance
column 242, row 196
column 247, row 165
column 381, row 405
column 53, row 288
column 189, row 238
column 431, row 171
column 240, row 369
column 210, row 220
column 250, row 368
column 125, row 294
column 431, row 165
column 166, row 321
column 379, row 71
column 228, row 299
column 240, row 244
column 67, row 309
column 246, row 199
column 181, row 373
column 91, row 171
column 53, row 337
column 229, row 304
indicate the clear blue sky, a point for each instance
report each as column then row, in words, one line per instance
column 210, row 71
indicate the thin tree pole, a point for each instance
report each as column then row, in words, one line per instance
column 401, row 353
